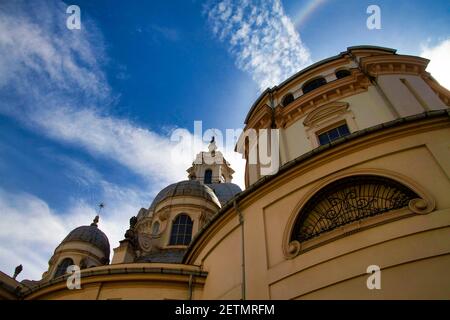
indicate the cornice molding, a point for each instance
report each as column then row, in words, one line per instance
column 439, row 90
column 325, row 112
column 372, row 65
column 338, row 89
column 278, row 92
column 393, row 64
column 339, row 63
column 117, row 273
column 261, row 117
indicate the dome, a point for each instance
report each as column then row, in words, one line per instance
column 91, row 234
column 225, row 191
column 191, row 188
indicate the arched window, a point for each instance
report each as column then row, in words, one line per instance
column 208, row 176
column 155, row 228
column 313, row 84
column 348, row 200
column 287, row 99
column 342, row 73
column 62, row 267
column 181, row 230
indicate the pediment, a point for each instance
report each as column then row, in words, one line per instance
column 325, row 112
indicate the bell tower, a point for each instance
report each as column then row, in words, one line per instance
column 210, row 167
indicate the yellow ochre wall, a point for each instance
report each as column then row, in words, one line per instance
column 367, row 109
column 413, row 252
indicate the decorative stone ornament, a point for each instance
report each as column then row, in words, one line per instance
column 421, row 206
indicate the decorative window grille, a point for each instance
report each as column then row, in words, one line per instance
column 348, row 200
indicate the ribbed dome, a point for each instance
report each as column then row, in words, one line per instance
column 191, row 188
column 225, row 191
column 91, row 234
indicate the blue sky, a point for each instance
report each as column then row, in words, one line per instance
column 86, row 115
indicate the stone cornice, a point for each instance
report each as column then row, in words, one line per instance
column 340, row 60
column 337, row 63
column 356, row 83
column 393, row 64
column 261, row 117
column 439, row 90
column 257, row 116
column 317, row 115
column 123, row 272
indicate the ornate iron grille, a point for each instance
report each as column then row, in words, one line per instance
column 348, row 200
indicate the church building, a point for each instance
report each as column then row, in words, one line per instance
column 362, row 185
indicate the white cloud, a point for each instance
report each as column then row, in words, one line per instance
column 439, row 65
column 35, row 43
column 262, row 38
column 51, row 80
column 31, row 230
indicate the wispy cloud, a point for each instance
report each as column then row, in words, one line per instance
column 35, row 45
column 52, row 81
column 31, row 229
column 439, row 66
column 170, row 34
column 260, row 36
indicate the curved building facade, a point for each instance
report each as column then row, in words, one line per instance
column 362, row 184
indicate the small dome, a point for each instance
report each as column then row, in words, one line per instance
column 191, row 188
column 91, row 234
column 225, row 191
